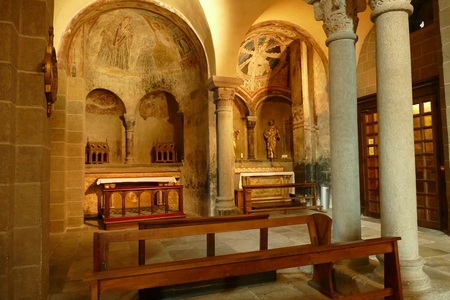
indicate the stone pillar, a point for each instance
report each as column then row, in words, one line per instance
column 130, row 121
column 339, row 24
column 396, row 138
column 251, row 123
column 224, row 89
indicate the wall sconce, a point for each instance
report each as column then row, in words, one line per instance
column 50, row 69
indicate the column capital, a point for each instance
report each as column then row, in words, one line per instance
column 337, row 15
column 380, row 7
column 130, row 120
column 224, row 97
column 251, row 122
column 216, row 82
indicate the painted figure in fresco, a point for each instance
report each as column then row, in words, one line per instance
column 116, row 45
column 122, row 44
column 272, row 136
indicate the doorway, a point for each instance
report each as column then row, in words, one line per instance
column 428, row 156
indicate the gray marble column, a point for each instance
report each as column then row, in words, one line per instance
column 339, row 23
column 224, row 89
column 130, row 121
column 396, row 138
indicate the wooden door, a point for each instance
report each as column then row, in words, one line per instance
column 428, row 152
column 368, row 117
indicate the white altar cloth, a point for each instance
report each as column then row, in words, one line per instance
column 257, row 174
column 135, row 179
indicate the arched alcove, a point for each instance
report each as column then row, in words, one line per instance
column 279, row 111
column 159, row 121
column 129, row 54
column 284, row 74
column 104, row 124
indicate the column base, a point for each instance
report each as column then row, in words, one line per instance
column 414, row 279
column 225, row 207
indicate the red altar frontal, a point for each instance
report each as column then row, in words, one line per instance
column 126, row 201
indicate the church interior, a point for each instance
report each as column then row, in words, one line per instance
column 121, row 111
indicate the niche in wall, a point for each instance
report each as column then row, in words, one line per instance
column 279, row 110
column 158, row 121
column 104, row 111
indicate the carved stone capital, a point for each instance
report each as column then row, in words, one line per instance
column 337, row 15
column 251, row 122
column 382, row 6
column 224, row 96
column 130, row 121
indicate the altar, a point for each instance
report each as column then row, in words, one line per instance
column 264, row 178
column 126, row 201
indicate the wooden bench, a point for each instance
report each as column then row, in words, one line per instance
column 320, row 253
column 255, row 200
column 210, row 237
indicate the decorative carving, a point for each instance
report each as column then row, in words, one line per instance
column 251, row 124
column 165, row 153
column 224, row 97
column 96, row 152
column 50, row 69
column 338, row 15
column 401, row 4
column 271, row 136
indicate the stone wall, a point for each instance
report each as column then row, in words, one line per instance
column 25, row 149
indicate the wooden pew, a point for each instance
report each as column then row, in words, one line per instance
column 320, row 253
column 210, row 237
column 212, row 285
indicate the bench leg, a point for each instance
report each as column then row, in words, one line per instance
column 94, row 290
column 323, row 279
column 392, row 275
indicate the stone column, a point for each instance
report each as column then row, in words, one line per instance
column 396, row 137
column 224, row 88
column 251, row 123
column 130, row 121
column 339, row 23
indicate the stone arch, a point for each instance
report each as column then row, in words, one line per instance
column 279, row 60
column 133, row 49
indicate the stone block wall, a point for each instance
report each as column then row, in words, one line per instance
column 25, row 149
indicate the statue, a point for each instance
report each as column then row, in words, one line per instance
column 235, row 139
column 272, row 136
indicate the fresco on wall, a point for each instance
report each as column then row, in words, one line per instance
column 262, row 58
column 154, row 105
column 136, row 55
column 122, row 47
column 103, row 102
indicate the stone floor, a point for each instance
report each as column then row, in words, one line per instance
column 72, row 256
